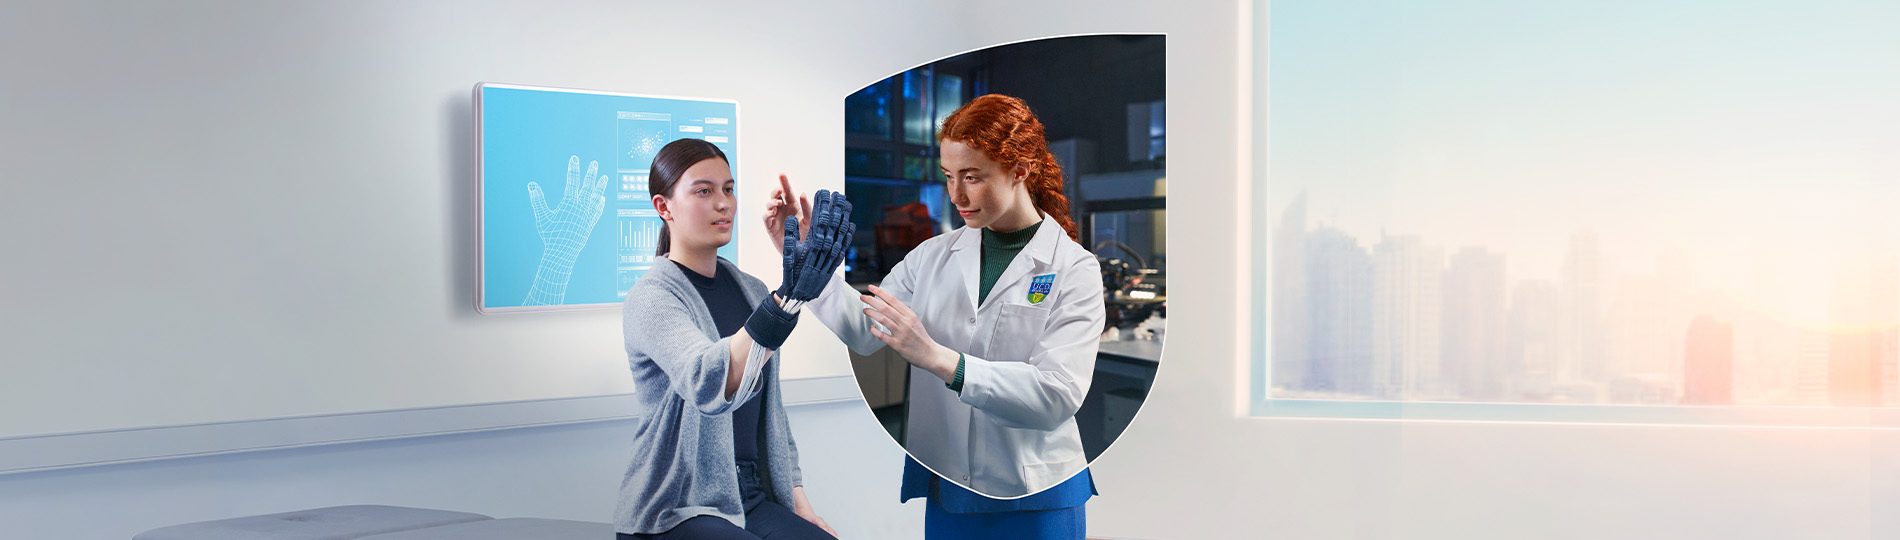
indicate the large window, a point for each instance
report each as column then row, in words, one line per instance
column 1651, row 212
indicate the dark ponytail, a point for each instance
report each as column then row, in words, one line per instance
column 668, row 165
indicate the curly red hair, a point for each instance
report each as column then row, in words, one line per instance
column 1004, row 130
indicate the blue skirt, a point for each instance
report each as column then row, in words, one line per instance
column 1058, row 524
column 953, row 513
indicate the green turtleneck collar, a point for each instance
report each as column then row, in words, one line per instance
column 998, row 249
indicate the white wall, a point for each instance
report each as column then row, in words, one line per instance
column 137, row 139
column 224, row 211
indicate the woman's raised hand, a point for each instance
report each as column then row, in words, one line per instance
column 781, row 207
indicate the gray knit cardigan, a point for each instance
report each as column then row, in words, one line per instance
column 682, row 463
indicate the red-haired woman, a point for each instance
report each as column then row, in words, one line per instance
column 1000, row 321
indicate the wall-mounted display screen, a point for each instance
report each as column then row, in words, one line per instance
column 566, row 221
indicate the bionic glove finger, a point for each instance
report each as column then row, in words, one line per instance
column 790, row 262
column 819, row 240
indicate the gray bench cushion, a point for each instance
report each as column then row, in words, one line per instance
column 333, row 523
column 508, row 529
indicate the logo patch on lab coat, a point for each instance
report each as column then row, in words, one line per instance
column 1039, row 287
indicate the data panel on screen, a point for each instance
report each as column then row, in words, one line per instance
column 566, row 221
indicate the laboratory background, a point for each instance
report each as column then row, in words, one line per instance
column 240, row 272
column 1090, row 92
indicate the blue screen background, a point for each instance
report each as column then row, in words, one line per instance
column 529, row 135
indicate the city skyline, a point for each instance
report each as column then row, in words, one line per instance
column 1402, row 317
column 1475, row 200
column 1661, row 126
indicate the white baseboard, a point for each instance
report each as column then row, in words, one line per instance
column 105, row 447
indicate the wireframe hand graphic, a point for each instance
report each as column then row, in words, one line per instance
column 564, row 229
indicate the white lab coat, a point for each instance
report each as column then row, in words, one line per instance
column 1027, row 365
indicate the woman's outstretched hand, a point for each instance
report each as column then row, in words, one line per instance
column 907, row 336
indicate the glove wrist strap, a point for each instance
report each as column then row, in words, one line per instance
column 770, row 324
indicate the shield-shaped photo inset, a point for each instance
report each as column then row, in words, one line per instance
column 1010, row 206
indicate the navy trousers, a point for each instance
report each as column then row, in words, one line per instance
column 767, row 521
column 764, row 519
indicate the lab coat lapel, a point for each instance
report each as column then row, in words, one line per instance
column 968, row 260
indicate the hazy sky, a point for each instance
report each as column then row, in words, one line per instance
column 1759, row 138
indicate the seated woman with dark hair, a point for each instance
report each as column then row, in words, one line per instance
column 713, row 455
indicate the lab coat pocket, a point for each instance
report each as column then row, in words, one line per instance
column 1018, row 332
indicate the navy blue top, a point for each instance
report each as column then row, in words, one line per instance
column 955, row 499
column 726, row 301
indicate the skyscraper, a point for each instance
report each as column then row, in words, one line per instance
column 1709, row 363
column 1861, row 313
column 1531, row 338
column 1642, row 338
column 1290, row 361
column 1339, row 307
column 1674, row 272
column 1472, row 347
column 1582, row 339
column 1884, row 304
column 1407, row 275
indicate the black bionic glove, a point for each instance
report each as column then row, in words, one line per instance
column 824, row 247
column 808, row 265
